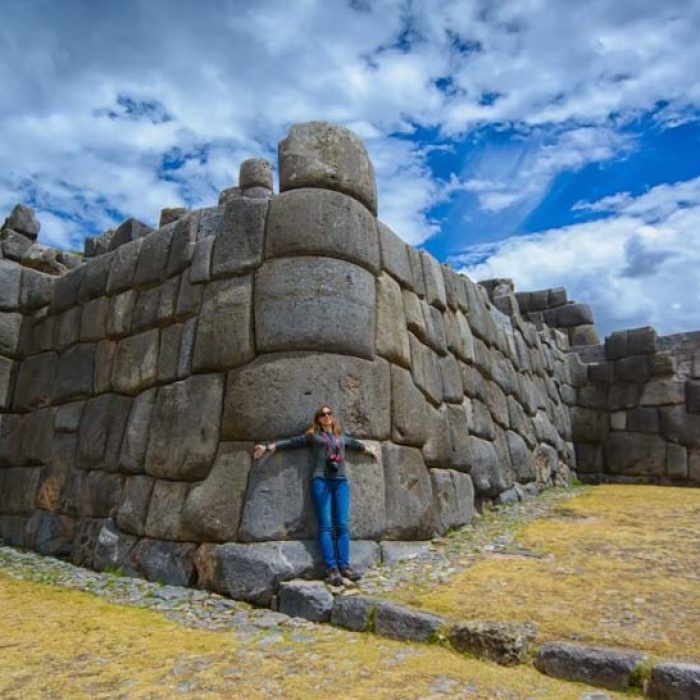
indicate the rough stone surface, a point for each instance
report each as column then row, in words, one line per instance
column 169, row 563
column 308, row 599
column 136, row 362
column 128, row 231
column 674, row 681
column 213, row 508
column 133, row 510
column 394, row 253
column 407, row 409
column 315, row 304
column 397, row 622
column 133, row 449
column 322, row 223
column 164, row 519
column 353, row 612
column 635, row 453
column 392, row 336
column 23, row 219
column 319, row 154
column 358, row 389
column 453, row 499
column 224, row 329
column 608, row 668
column 502, row 642
column 101, row 431
column 255, row 172
column 182, row 443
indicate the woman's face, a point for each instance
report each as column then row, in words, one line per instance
column 325, row 418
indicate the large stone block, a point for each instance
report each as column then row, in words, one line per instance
column 276, row 395
column 169, row 352
column 184, row 429
column 10, row 327
column 67, row 327
column 679, row 426
column 133, row 509
column 505, row 643
column 67, row 289
column 426, row 370
column 660, row 392
column 315, row 304
column 18, row 490
column 397, row 622
column 453, row 499
column 238, row 245
column 128, row 231
column 633, row 369
column 489, row 475
column 213, row 507
column 182, row 245
column 407, row 409
column 310, row 600
column 588, row 425
column 189, row 298
column 136, row 362
column 437, row 450
column 674, row 681
column 521, row 458
column 435, row 293
column 104, row 493
column 409, row 494
column 151, row 267
column 37, row 289
column 319, row 154
column 413, row 311
column 452, row 389
column 10, row 284
column 636, row 454
column 155, row 305
column 170, row 563
column 133, row 448
column 34, row 385
column 200, row 271
column 37, row 436
column 101, row 431
column 113, row 550
column 104, row 365
column 94, row 282
column 434, row 328
column 392, row 337
column 23, row 219
column 394, row 253
column 14, row 245
column 255, row 172
column 6, row 376
column 458, row 335
column 321, row 223
column 121, row 273
column 75, row 375
column 87, row 530
column 120, row 314
column 50, row 533
column 367, row 495
column 224, row 331
column 164, row 520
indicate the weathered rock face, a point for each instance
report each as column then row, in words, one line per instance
column 133, row 387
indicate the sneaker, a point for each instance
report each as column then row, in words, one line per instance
column 350, row 574
column 333, row 577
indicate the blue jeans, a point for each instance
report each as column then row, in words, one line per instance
column 332, row 501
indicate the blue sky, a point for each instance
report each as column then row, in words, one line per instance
column 556, row 143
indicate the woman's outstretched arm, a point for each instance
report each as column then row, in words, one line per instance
column 296, row 441
column 355, row 444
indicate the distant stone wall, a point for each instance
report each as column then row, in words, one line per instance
column 637, row 417
column 135, row 385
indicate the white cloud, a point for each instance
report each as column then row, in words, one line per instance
column 636, row 267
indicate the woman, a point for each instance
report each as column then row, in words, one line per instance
column 329, row 487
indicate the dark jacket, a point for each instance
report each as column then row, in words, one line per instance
column 319, row 453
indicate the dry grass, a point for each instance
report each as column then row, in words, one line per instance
column 619, row 566
column 64, row 644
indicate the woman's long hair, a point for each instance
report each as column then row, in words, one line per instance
column 315, row 426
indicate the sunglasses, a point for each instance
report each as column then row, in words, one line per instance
column 325, row 413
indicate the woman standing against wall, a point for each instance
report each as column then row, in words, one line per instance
column 330, row 488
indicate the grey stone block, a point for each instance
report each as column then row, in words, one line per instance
column 676, row 461
column 10, row 326
column 660, row 392
column 133, row 448
column 598, row 666
column 67, row 327
column 394, row 254
column 435, row 293
column 170, row 214
column 585, row 334
column 213, row 507
column 18, row 490
column 255, row 172
column 169, row 352
column 184, row 360
column 87, row 530
column 104, row 493
column 635, row 454
column 521, row 458
column 434, row 328
column 151, row 267
column 37, row 289
column 50, row 533
column 481, row 423
column 641, row 341
column 453, row 499
column 113, row 549
column 392, row 336
column 315, row 304
column 189, row 298
column 164, row 519
column 94, row 280
column 34, row 385
column 458, row 335
column 504, row 643
column 6, row 377
column 623, row 396
column 120, row 315
column 319, row 154
column 37, row 436
column 296, row 385
column 238, row 244
column 15, row 245
column 643, row 420
column 397, row 622
column 458, row 423
column 23, row 219
column 426, row 370
column 13, row 530
column 200, row 271
column 674, row 681
column 133, row 509
column 409, row 496
column 128, row 231
column 601, row 372
column 393, row 552
column 413, row 311
column 10, row 285
column 437, row 450
column 588, row 425
column 121, row 273
column 353, row 612
column 488, row 474
column 104, row 364
column 170, row 563
column 633, row 369
column 66, row 290
column 308, row 599
column 156, row 305
column 182, row 245
column 101, row 431
column 679, row 426
column 367, row 497
column 692, row 397
column 322, row 223
column 574, row 315
column 136, row 362
column 75, row 374
column 253, row 572
column 407, row 409
column 182, row 443
column 74, row 497
column 224, row 330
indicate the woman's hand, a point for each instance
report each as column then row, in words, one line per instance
column 371, row 450
column 260, row 450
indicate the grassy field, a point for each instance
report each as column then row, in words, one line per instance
column 619, row 566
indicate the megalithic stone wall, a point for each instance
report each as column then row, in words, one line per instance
column 135, row 385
